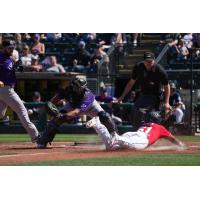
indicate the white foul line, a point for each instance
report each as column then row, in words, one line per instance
column 31, row 154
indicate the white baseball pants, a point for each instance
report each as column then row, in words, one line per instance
column 8, row 97
column 129, row 140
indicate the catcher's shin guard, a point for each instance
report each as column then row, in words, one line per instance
column 107, row 121
column 49, row 134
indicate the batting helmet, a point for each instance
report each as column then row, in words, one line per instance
column 154, row 116
column 79, row 82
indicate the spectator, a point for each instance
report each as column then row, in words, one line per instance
column 97, row 56
column 37, row 99
column 18, row 42
column 15, row 56
column 104, row 98
column 53, row 36
column 35, row 54
column 89, row 37
column 182, row 51
column 188, row 40
column 70, row 37
column 176, row 102
column 26, row 58
column 26, row 36
column 40, row 47
column 54, row 66
column 35, row 66
column 81, row 59
column 134, row 38
column 132, row 97
column 119, row 39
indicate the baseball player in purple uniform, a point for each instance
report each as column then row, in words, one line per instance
column 80, row 101
column 8, row 97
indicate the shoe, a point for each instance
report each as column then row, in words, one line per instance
column 91, row 123
column 36, row 138
column 114, row 139
column 41, row 146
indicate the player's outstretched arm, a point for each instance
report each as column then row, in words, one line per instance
column 73, row 113
column 174, row 140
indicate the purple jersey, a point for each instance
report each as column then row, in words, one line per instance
column 7, row 70
column 87, row 101
column 81, row 101
column 107, row 99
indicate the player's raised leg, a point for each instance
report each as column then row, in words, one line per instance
column 102, row 131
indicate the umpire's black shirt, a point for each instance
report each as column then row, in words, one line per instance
column 150, row 81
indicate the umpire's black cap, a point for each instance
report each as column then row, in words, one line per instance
column 149, row 56
column 8, row 44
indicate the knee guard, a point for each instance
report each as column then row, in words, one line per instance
column 107, row 121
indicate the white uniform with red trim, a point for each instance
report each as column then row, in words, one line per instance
column 145, row 136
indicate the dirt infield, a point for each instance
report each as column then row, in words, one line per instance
column 11, row 153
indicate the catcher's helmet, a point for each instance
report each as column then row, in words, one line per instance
column 79, row 82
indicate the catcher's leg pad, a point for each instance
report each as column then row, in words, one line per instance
column 107, row 121
column 48, row 135
column 52, row 128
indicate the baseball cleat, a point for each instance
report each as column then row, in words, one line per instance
column 91, row 123
column 36, row 139
column 114, row 139
column 41, row 146
column 40, row 143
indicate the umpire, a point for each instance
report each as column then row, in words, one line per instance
column 151, row 78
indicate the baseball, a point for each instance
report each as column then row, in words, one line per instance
column 30, row 111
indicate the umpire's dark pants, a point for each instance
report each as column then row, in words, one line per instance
column 146, row 102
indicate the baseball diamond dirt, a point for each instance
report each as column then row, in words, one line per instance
column 13, row 153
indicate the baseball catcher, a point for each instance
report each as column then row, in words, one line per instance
column 80, row 101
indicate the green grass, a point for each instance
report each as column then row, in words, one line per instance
column 74, row 137
column 59, row 137
column 142, row 160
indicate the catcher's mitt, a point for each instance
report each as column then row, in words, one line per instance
column 52, row 110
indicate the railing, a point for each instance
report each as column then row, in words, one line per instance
column 104, row 69
column 162, row 53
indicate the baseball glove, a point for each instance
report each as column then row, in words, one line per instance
column 52, row 110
